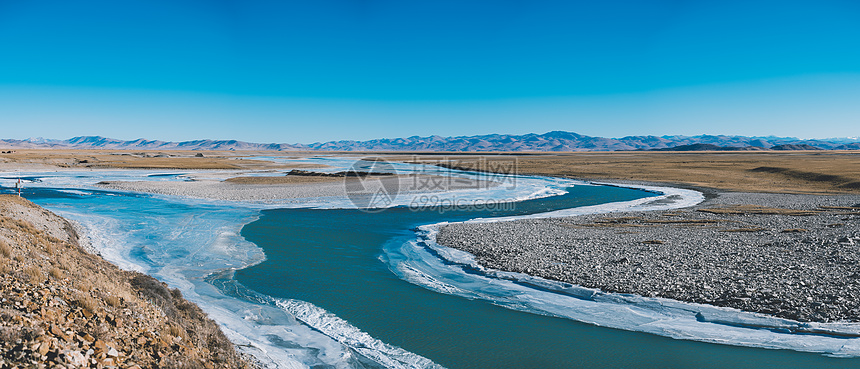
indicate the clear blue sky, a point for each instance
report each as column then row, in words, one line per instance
column 305, row 71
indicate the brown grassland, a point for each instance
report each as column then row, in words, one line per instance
column 119, row 159
column 811, row 172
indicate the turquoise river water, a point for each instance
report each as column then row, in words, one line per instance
column 331, row 258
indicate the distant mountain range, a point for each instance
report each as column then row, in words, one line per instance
column 97, row 142
column 551, row 141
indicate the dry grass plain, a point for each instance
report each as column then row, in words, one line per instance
column 120, row 159
column 810, row 172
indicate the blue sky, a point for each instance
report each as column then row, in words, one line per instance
column 305, row 71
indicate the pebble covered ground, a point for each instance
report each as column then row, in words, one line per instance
column 790, row 256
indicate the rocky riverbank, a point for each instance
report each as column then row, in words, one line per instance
column 61, row 307
column 790, row 256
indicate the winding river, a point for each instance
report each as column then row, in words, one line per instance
column 340, row 288
column 334, row 259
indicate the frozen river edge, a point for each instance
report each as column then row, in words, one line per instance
column 666, row 317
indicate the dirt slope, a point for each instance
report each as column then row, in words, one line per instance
column 63, row 307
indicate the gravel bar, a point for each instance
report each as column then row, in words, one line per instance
column 789, row 256
column 284, row 192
